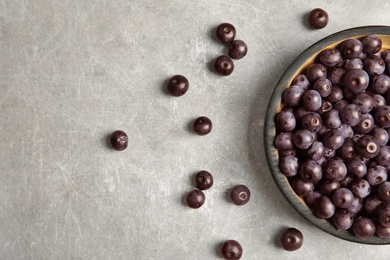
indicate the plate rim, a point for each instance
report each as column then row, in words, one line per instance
column 269, row 131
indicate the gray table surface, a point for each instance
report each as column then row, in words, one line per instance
column 73, row 71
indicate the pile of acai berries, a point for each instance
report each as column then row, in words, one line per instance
column 332, row 136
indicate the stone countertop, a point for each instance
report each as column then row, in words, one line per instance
column 74, row 71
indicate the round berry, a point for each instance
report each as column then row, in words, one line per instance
column 226, row 33
column 291, row 239
column 202, row 125
column 318, row 18
column 223, row 65
column 177, row 85
column 237, row 49
column 204, row 180
column 240, row 195
column 231, row 250
column 195, row 199
column 119, row 140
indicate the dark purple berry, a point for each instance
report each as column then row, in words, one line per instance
column 240, row 195
column 333, row 139
column 202, row 125
column 351, row 48
column 195, row 199
column 383, row 213
column 374, row 65
column 350, row 115
column 361, row 188
column 301, row 187
column 336, row 94
column 372, row 44
column 312, row 122
column 119, row 140
column 291, row 239
column 231, row 250
column 323, row 86
column 364, row 101
column 316, row 71
column 342, row 219
column 311, row 171
column 331, row 119
column 363, row 227
column 376, row 175
column 356, row 81
column 237, row 49
column 334, row 170
column 365, row 125
column 380, row 84
column 324, row 207
column 342, row 198
column 292, row 96
column 318, row 18
column 226, row 33
column 382, row 116
column 302, row 81
column 204, row 180
column 331, row 57
column 384, row 191
column 357, row 168
column 285, row 121
column 366, row 147
column 177, row 85
column 352, row 64
column 283, row 141
column 223, row 65
column 303, row 138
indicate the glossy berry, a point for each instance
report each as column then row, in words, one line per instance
column 177, row 85
column 316, row 71
column 324, row 207
column 350, row 115
column 361, row 188
column 291, row 239
column 223, row 65
column 289, row 165
column 372, row 44
column 202, row 125
column 333, row 139
column 356, row 81
column 364, row 101
column 384, row 191
column 380, row 84
column 363, row 227
column 342, row 198
column 195, row 199
column 366, row 147
column 383, row 212
column 301, row 187
column 318, row 18
column 237, row 49
column 285, row 121
column 312, row 100
column 204, row 180
column 342, row 219
column 231, row 250
column 292, row 96
column 334, row 170
column 303, row 138
column 283, row 141
column 374, row 65
column 226, row 33
column 119, row 140
column 331, row 57
column 351, row 48
column 382, row 116
column 240, row 195
column 311, row 171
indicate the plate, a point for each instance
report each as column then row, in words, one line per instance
column 297, row 66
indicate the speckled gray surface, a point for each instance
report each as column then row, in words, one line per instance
column 73, row 71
